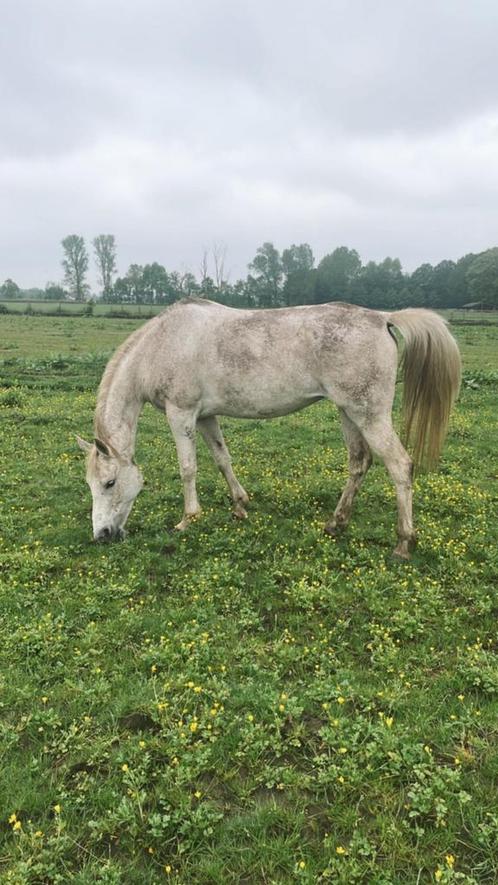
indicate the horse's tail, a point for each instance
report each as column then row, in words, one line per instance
column 432, row 372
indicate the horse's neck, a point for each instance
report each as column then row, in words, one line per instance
column 118, row 411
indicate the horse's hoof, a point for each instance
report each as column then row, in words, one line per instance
column 400, row 557
column 239, row 512
column 181, row 526
column 185, row 522
column 333, row 529
column 403, row 552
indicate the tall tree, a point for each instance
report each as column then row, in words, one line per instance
column 75, row 264
column 378, row 285
column 105, row 258
column 266, row 281
column 189, row 284
column 297, row 266
column 442, row 293
column 54, row 292
column 219, row 258
column 459, row 283
column 336, row 273
column 422, row 285
column 482, row 277
column 204, row 268
column 9, row 291
column 131, row 288
column 157, row 286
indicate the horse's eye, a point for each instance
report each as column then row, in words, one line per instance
column 110, row 484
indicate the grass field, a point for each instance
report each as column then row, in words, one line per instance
column 246, row 703
column 70, row 308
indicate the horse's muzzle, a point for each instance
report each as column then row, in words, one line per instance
column 107, row 534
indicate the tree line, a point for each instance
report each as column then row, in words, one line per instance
column 275, row 279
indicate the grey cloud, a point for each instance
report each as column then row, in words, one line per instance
column 176, row 124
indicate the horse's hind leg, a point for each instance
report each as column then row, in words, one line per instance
column 182, row 424
column 360, row 459
column 211, row 432
column 384, row 442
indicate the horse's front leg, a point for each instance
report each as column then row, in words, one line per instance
column 182, row 423
column 211, row 432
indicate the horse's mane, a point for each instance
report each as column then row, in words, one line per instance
column 107, row 378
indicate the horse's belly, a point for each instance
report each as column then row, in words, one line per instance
column 238, row 404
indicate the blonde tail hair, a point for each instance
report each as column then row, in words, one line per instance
column 431, row 367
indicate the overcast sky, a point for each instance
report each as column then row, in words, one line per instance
column 174, row 125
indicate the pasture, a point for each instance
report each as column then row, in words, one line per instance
column 249, row 702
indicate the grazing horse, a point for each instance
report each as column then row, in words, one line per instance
column 199, row 359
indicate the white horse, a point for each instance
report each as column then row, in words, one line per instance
column 199, row 359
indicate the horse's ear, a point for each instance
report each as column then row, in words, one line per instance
column 102, row 448
column 83, row 444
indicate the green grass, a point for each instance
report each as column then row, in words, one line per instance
column 32, row 337
column 68, row 308
column 247, row 703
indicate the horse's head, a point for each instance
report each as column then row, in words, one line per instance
column 114, row 482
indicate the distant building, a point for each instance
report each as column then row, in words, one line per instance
column 477, row 305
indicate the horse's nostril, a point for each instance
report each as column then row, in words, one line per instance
column 104, row 535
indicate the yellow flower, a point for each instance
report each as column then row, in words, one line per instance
column 193, row 726
column 301, row 864
column 250, row 717
column 17, row 825
column 438, row 875
column 389, row 721
column 153, row 669
column 340, row 850
column 124, row 767
column 13, row 818
column 57, row 809
column 39, row 834
column 450, row 860
column 341, row 700
column 167, row 869
column 197, row 794
column 343, row 750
